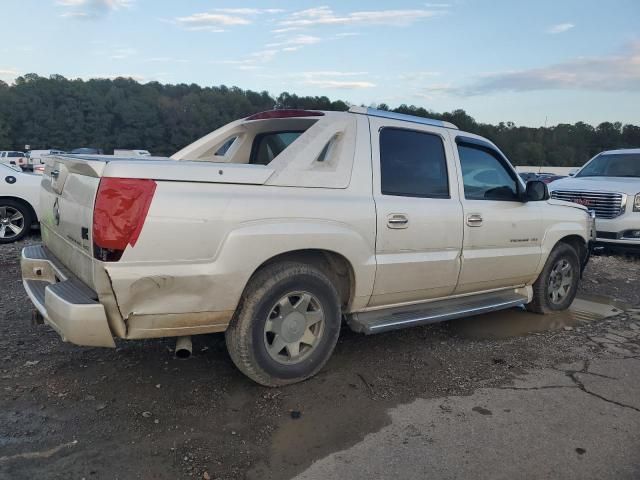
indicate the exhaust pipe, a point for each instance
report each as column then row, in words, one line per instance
column 183, row 347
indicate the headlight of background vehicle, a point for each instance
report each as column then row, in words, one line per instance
column 636, row 203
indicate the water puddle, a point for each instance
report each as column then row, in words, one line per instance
column 517, row 321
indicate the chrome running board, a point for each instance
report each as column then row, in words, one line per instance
column 433, row 312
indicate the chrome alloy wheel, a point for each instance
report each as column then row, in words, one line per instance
column 560, row 281
column 294, row 327
column 11, row 222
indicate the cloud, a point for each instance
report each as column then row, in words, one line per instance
column 254, row 60
column 326, row 16
column 334, row 79
column 339, row 84
column 9, row 74
column 122, row 53
column 614, row 73
column 417, row 76
column 90, row 9
column 213, row 22
column 294, row 43
column 560, row 28
column 166, row 59
column 331, row 73
column 249, row 11
column 217, row 19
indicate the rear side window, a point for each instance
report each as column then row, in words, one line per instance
column 413, row 164
column 267, row 146
column 224, row 148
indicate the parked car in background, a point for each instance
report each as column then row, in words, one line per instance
column 131, row 153
column 549, row 177
column 87, row 151
column 608, row 184
column 527, row 176
column 12, row 157
column 276, row 226
column 19, row 202
column 36, row 157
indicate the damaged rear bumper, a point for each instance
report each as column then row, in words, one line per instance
column 71, row 308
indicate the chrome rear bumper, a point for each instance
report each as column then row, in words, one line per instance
column 71, row 308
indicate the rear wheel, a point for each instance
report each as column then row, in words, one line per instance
column 286, row 325
column 557, row 285
column 15, row 220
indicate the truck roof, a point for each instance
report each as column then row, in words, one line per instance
column 372, row 112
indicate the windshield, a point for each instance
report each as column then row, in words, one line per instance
column 618, row 165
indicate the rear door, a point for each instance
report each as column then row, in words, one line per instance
column 502, row 235
column 419, row 215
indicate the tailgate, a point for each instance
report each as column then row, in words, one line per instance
column 69, row 187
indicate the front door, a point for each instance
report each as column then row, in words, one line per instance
column 419, row 215
column 502, row 234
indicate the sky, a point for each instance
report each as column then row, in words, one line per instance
column 534, row 63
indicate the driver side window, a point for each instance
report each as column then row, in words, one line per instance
column 484, row 175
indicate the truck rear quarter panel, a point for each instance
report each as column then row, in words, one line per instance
column 202, row 242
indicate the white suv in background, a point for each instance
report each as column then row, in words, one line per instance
column 608, row 184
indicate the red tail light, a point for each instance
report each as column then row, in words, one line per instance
column 119, row 213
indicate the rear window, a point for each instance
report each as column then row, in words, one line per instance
column 267, row 146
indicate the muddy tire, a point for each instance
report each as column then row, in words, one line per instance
column 286, row 326
column 557, row 285
column 15, row 220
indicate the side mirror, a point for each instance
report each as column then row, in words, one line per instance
column 573, row 171
column 536, row 191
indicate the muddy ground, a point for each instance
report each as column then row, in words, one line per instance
column 136, row 412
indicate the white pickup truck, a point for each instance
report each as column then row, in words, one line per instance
column 608, row 184
column 278, row 226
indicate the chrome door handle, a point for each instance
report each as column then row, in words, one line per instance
column 397, row 220
column 474, row 220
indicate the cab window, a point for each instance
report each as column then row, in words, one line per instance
column 412, row 164
column 267, row 146
column 484, row 175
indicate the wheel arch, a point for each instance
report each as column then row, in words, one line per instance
column 579, row 244
column 32, row 211
column 335, row 265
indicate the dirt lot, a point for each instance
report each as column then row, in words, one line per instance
column 136, row 412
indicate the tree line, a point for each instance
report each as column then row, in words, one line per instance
column 61, row 113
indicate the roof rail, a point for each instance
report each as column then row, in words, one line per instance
column 372, row 112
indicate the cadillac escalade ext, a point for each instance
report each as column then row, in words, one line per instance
column 278, row 227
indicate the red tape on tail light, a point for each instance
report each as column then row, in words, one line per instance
column 119, row 213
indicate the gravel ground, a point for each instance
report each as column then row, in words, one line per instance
column 136, row 412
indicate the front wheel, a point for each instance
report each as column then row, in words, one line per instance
column 556, row 287
column 286, row 325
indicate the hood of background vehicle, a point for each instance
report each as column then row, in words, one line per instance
column 630, row 186
column 563, row 203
